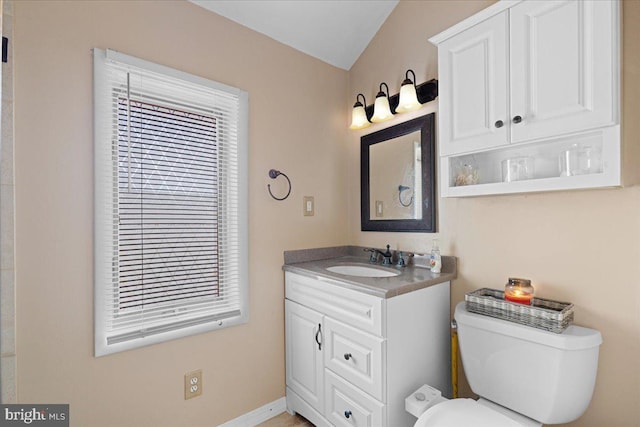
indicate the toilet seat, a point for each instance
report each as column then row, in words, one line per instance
column 464, row 413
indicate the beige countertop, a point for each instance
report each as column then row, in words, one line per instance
column 417, row 275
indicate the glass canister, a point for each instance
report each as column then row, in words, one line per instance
column 466, row 175
column 519, row 291
column 517, row 169
column 580, row 159
column 590, row 159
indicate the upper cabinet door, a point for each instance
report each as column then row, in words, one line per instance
column 562, row 68
column 473, row 82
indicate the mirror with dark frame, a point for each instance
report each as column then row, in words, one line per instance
column 397, row 177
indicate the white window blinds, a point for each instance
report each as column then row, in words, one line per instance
column 170, row 206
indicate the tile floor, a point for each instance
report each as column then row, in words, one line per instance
column 286, row 420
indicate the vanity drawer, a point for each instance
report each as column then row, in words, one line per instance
column 354, row 308
column 356, row 356
column 346, row 406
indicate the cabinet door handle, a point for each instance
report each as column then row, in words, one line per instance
column 319, row 335
column 347, row 356
column 517, row 119
column 499, row 124
column 347, row 414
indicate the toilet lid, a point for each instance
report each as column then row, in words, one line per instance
column 463, row 413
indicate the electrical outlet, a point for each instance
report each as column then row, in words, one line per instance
column 192, row 384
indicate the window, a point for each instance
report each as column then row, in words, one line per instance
column 170, row 203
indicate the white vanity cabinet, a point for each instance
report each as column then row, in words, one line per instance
column 529, row 78
column 352, row 357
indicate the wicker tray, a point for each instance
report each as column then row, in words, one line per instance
column 543, row 313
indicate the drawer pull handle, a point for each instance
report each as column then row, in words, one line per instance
column 499, row 124
column 517, row 119
column 347, row 356
column 347, row 414
column 319, row 333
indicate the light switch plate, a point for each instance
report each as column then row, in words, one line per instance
column 379, row 208
column 308, row 206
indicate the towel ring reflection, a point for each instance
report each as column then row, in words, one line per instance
column 273, row 174
column 402, row 188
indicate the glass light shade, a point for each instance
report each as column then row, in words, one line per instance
column 381, row 110
column 359, row 118
column 408, row 99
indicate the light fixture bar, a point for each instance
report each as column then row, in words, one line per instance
column 427, row 92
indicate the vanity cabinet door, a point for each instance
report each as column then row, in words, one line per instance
column 562, row 72
column 473, row 85
column 304, row 349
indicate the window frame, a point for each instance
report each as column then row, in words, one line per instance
column 104, row 196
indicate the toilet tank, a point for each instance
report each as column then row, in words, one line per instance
column 546, row 376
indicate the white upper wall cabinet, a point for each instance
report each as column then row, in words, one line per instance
column 562, row 73
column 474, row 87
column 528, row 98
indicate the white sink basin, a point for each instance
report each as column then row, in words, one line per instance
column 362, row 271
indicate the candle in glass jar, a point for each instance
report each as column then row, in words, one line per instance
column 519, row 291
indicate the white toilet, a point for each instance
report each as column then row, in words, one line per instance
column 523, row 375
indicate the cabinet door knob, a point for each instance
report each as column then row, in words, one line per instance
column 499, row 124
column 347, row 414
column 347, row 356
column 517, row 119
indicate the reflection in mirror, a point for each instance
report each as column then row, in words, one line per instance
column 398, row 177
column 395, row 178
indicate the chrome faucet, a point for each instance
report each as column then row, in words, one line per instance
column 401, row 262
column 386, row 256
column 373, row 258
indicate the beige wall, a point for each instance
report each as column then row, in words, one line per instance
column 581, row 246
column 297, row 125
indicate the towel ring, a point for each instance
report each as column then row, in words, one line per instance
column 402, row 188
column 273, row 174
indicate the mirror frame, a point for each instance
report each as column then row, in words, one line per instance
column 426, row 224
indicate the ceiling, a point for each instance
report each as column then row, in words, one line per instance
column 334, row 31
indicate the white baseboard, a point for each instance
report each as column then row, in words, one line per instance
column 260, row 415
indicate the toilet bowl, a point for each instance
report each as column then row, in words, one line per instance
column 525, row 377
column 469, row 412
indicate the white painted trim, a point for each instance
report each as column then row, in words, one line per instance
column 483, row 15
column 132, row 61
column 103, row 195
column 260, row 415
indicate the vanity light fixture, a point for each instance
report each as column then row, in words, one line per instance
column 359, row 118
column 362, row 114
column 408, row 96
column 381, row 109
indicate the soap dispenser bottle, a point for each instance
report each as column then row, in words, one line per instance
column 435, row 260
